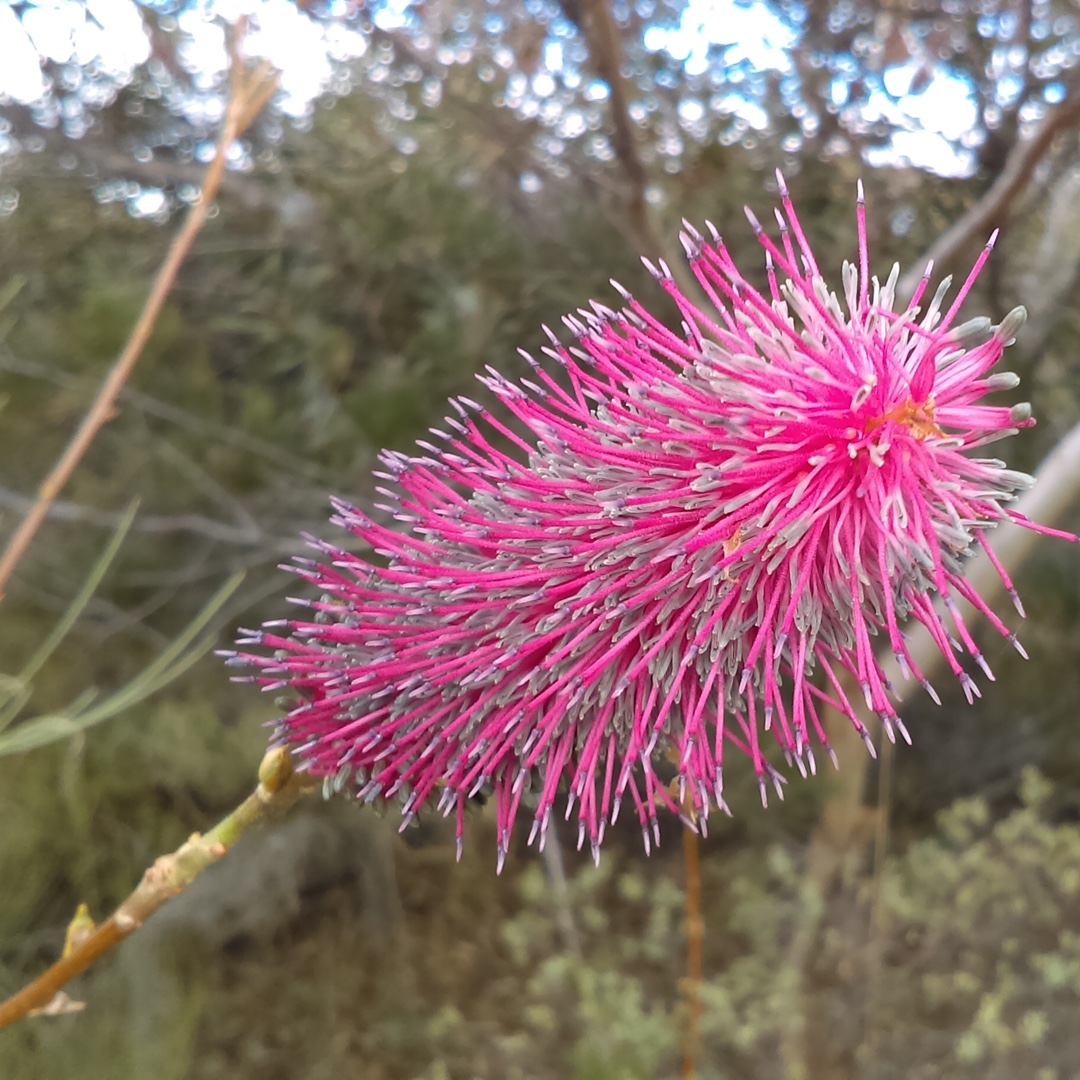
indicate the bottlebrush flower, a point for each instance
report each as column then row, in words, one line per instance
column 671, row 543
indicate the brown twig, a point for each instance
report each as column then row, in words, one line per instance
column 279, row 787
column 695, row 933
column 877, row 907
column 250, row 90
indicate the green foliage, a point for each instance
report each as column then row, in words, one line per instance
column 617, row 1032
column 86, row 711
column 329, row 309
column 18, row 688
column 989, row 924
column 974, row 971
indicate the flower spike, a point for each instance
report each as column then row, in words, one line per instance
column 693, row 550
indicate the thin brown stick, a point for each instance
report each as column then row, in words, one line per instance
column 881, row 831
column 279, row 787
column 250, row 90
column 695, row 933
column 876, row 938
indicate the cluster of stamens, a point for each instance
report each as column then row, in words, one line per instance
column 667, row 544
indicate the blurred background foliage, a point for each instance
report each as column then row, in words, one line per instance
column 467, row 172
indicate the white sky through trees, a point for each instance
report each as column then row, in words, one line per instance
column 931, row 111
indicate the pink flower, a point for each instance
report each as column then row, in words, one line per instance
column 674, row 543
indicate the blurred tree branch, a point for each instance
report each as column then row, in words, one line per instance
column 279, row 788
column 595, row 20
column 992, row 210
column 634, row 217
